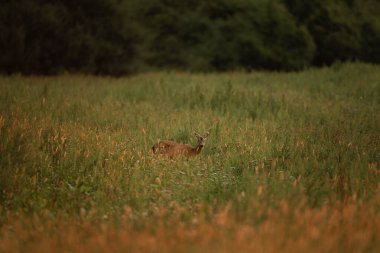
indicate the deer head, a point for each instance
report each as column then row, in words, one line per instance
column 201, row 139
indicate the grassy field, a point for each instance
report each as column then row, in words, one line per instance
column 291, row 163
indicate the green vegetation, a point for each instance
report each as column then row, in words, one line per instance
column 73, row 143
column 291, row 156
column 117, row 37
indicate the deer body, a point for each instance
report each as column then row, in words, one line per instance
column 173, row 149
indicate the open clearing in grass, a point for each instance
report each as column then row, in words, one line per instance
column 290, row 156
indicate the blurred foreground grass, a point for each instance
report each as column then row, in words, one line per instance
column 291, row 156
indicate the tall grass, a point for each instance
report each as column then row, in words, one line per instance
column 76, row 150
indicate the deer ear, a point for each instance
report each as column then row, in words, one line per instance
column 206, row 134
column 196, row 134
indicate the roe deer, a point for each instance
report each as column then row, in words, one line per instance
column 172, row 149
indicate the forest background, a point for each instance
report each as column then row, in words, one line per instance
column 118, row 37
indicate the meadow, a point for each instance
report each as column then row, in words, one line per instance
column 291, row 163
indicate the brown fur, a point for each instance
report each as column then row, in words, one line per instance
column 173, row 149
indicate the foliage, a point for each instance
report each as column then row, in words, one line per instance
column 222, row 35
column 342, row 30
column 116, row 37
column 48, row 37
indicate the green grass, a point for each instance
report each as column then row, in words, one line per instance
column 81, row 145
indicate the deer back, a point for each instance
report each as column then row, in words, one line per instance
column 171, row 148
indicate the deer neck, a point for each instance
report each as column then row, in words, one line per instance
column 198, row 149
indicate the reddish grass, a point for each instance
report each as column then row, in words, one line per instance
column 341, row 227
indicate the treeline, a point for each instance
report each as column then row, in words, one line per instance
column 117, row 37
